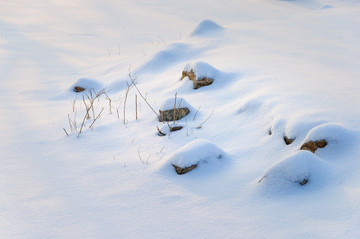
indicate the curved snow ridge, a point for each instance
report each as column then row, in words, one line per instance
column 87, row 84
column 299, row 128
column 330, row 132
column 255, row 101
column 196, row 152
column 300, row 169
column 171, row 55
column 207, row 28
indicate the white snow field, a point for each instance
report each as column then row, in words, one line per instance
column 279, row 68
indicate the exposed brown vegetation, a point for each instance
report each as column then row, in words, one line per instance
column 173, row 114
column 184, row 170
column 313, row 145
column 287, row 140
column 78, row 89
column 190, row 74
column 160, row 133
column 303, row 182
column 175, row 128
column 197, row 82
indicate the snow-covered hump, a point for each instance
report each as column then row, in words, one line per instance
column 195, row 152
column 178, row 102
column 202, row 69
column 207, row 28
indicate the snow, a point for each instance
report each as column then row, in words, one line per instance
column 88, row 84
column 329, row 132
column 207, row 28
column 178, row 102
column 291, row 171
column 286, row 67
column 196, row 152
column 201, row 69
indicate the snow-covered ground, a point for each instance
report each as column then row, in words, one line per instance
column 280, row 68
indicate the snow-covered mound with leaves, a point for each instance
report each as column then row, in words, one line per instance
column 94, row 164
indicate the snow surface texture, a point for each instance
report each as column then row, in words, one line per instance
column 281, row 68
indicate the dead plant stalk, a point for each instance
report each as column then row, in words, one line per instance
column 200, row 125
column 96, row 118
column 92, row 99
column 129, row 86
column 142, row 96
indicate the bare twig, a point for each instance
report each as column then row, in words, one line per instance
column 196, row 113
column 134, row 83
column 74, row 121
column 83, row 122
column 71, row 128
column 66, row 132
column 86, row 107
column 91, row 99
column 91, row 106
column 129, row 86
column 109, row 99
column 200, row 125
column 175, row 109
column 140, row 155
column 136, row 108
column 96, row 118
column 73, row 104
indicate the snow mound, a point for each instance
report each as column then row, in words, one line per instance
column 207, row 28
column 202, row 69
column 87, row 84
column 324, row 7
column 298, row 127
column 171, row 55
column 250, row 104
column 174, row 109
column 180, row 102
column 300, row 169
column 204, row 74
column 329, row 131
column 196, row 152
